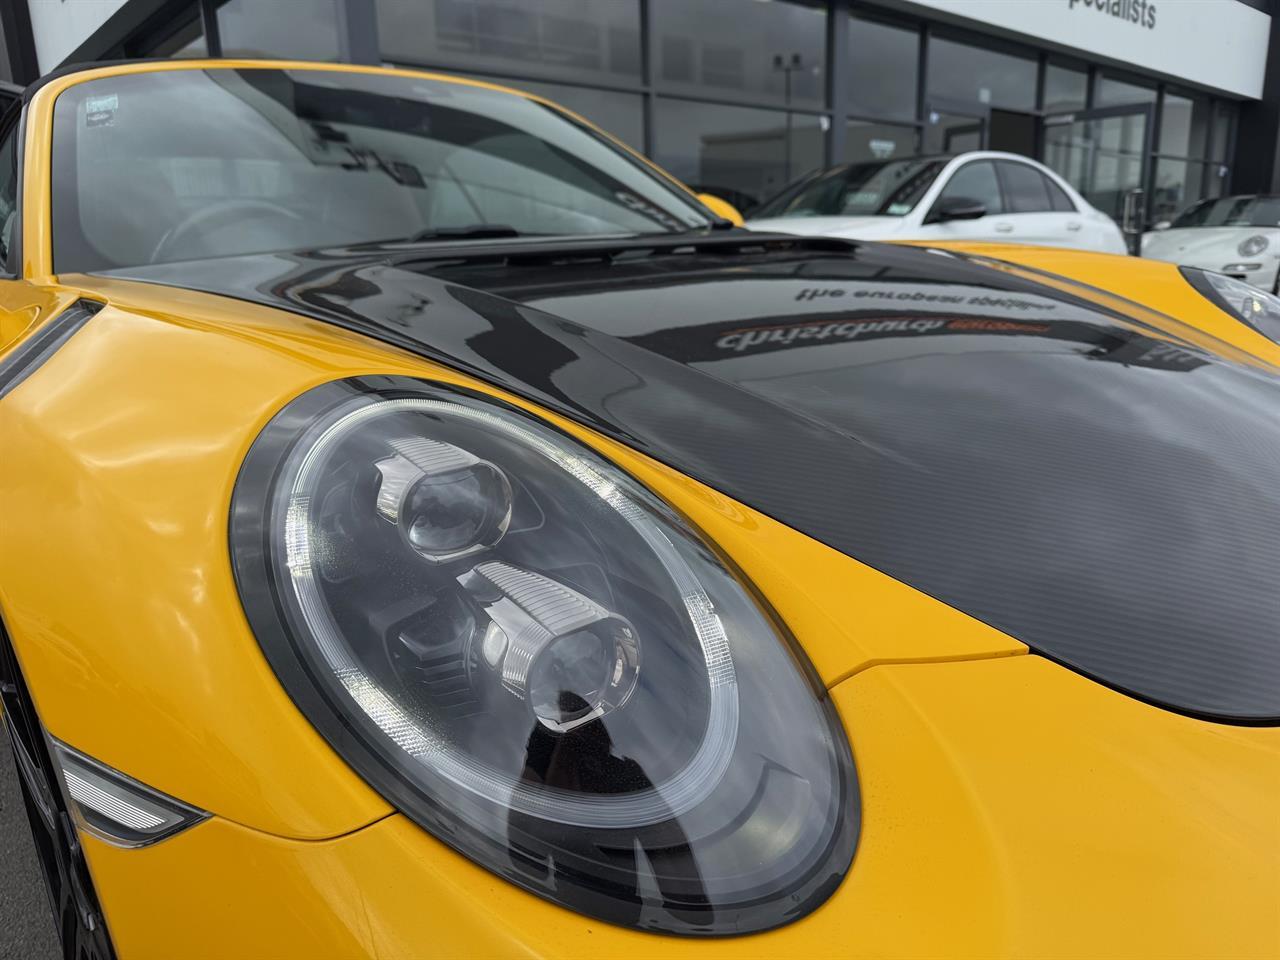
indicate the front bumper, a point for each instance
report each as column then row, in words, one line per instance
column 1010, row 808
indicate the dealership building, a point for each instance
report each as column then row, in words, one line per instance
column 1142, row 104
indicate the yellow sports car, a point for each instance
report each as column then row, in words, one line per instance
column 428, row 529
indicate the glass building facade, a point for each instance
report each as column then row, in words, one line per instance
column 738, row 97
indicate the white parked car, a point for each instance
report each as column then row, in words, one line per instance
column 1238, row 236
column 982, row 195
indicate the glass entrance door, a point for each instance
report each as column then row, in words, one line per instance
column 1103, row 154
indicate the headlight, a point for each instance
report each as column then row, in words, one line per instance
column 536, row 660
column 1252, row 246
column 1257, row 308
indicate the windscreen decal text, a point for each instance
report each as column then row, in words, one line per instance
column 101, row 111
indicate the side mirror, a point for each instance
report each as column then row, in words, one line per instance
column 956, row 208
column 1162, row 225
column 721, row 208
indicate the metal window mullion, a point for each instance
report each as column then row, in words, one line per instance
column 19, row 41
column 648, row 70
column 1042, row 66
column 922, row 81
column 1210, row 163
column 1229, row 150
column 1153, row 151
column 1214, row 104
column 358, row 32
column 209, row 24
column 839, row 75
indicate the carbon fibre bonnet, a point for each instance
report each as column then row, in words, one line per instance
column 1106, row 495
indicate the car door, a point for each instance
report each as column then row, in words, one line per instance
column 1040, row 210
column 974, row 181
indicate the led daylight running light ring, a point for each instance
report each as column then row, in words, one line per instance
column 662, row 802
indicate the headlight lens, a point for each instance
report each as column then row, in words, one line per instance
column 1252, row 246
column 537, row 661
column 1257, row 308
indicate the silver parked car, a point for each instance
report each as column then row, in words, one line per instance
column 1237, row 235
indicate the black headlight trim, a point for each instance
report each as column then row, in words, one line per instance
column 350, row 734
column 1196, row 277
column 1200, row 280
column 250, row 552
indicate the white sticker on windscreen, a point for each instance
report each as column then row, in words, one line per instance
column 101, row 111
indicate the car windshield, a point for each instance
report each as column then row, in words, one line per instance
column 891, row 188
column 186, row 164
column 1232, row 212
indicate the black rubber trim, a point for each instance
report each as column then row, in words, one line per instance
column 67, row 69
column 1200, row 282
column 737, row 240
column 28, row 356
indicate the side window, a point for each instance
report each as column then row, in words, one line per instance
column 8, row 192
column 1025, row 187
column 975, row 181
column 1058, row 197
